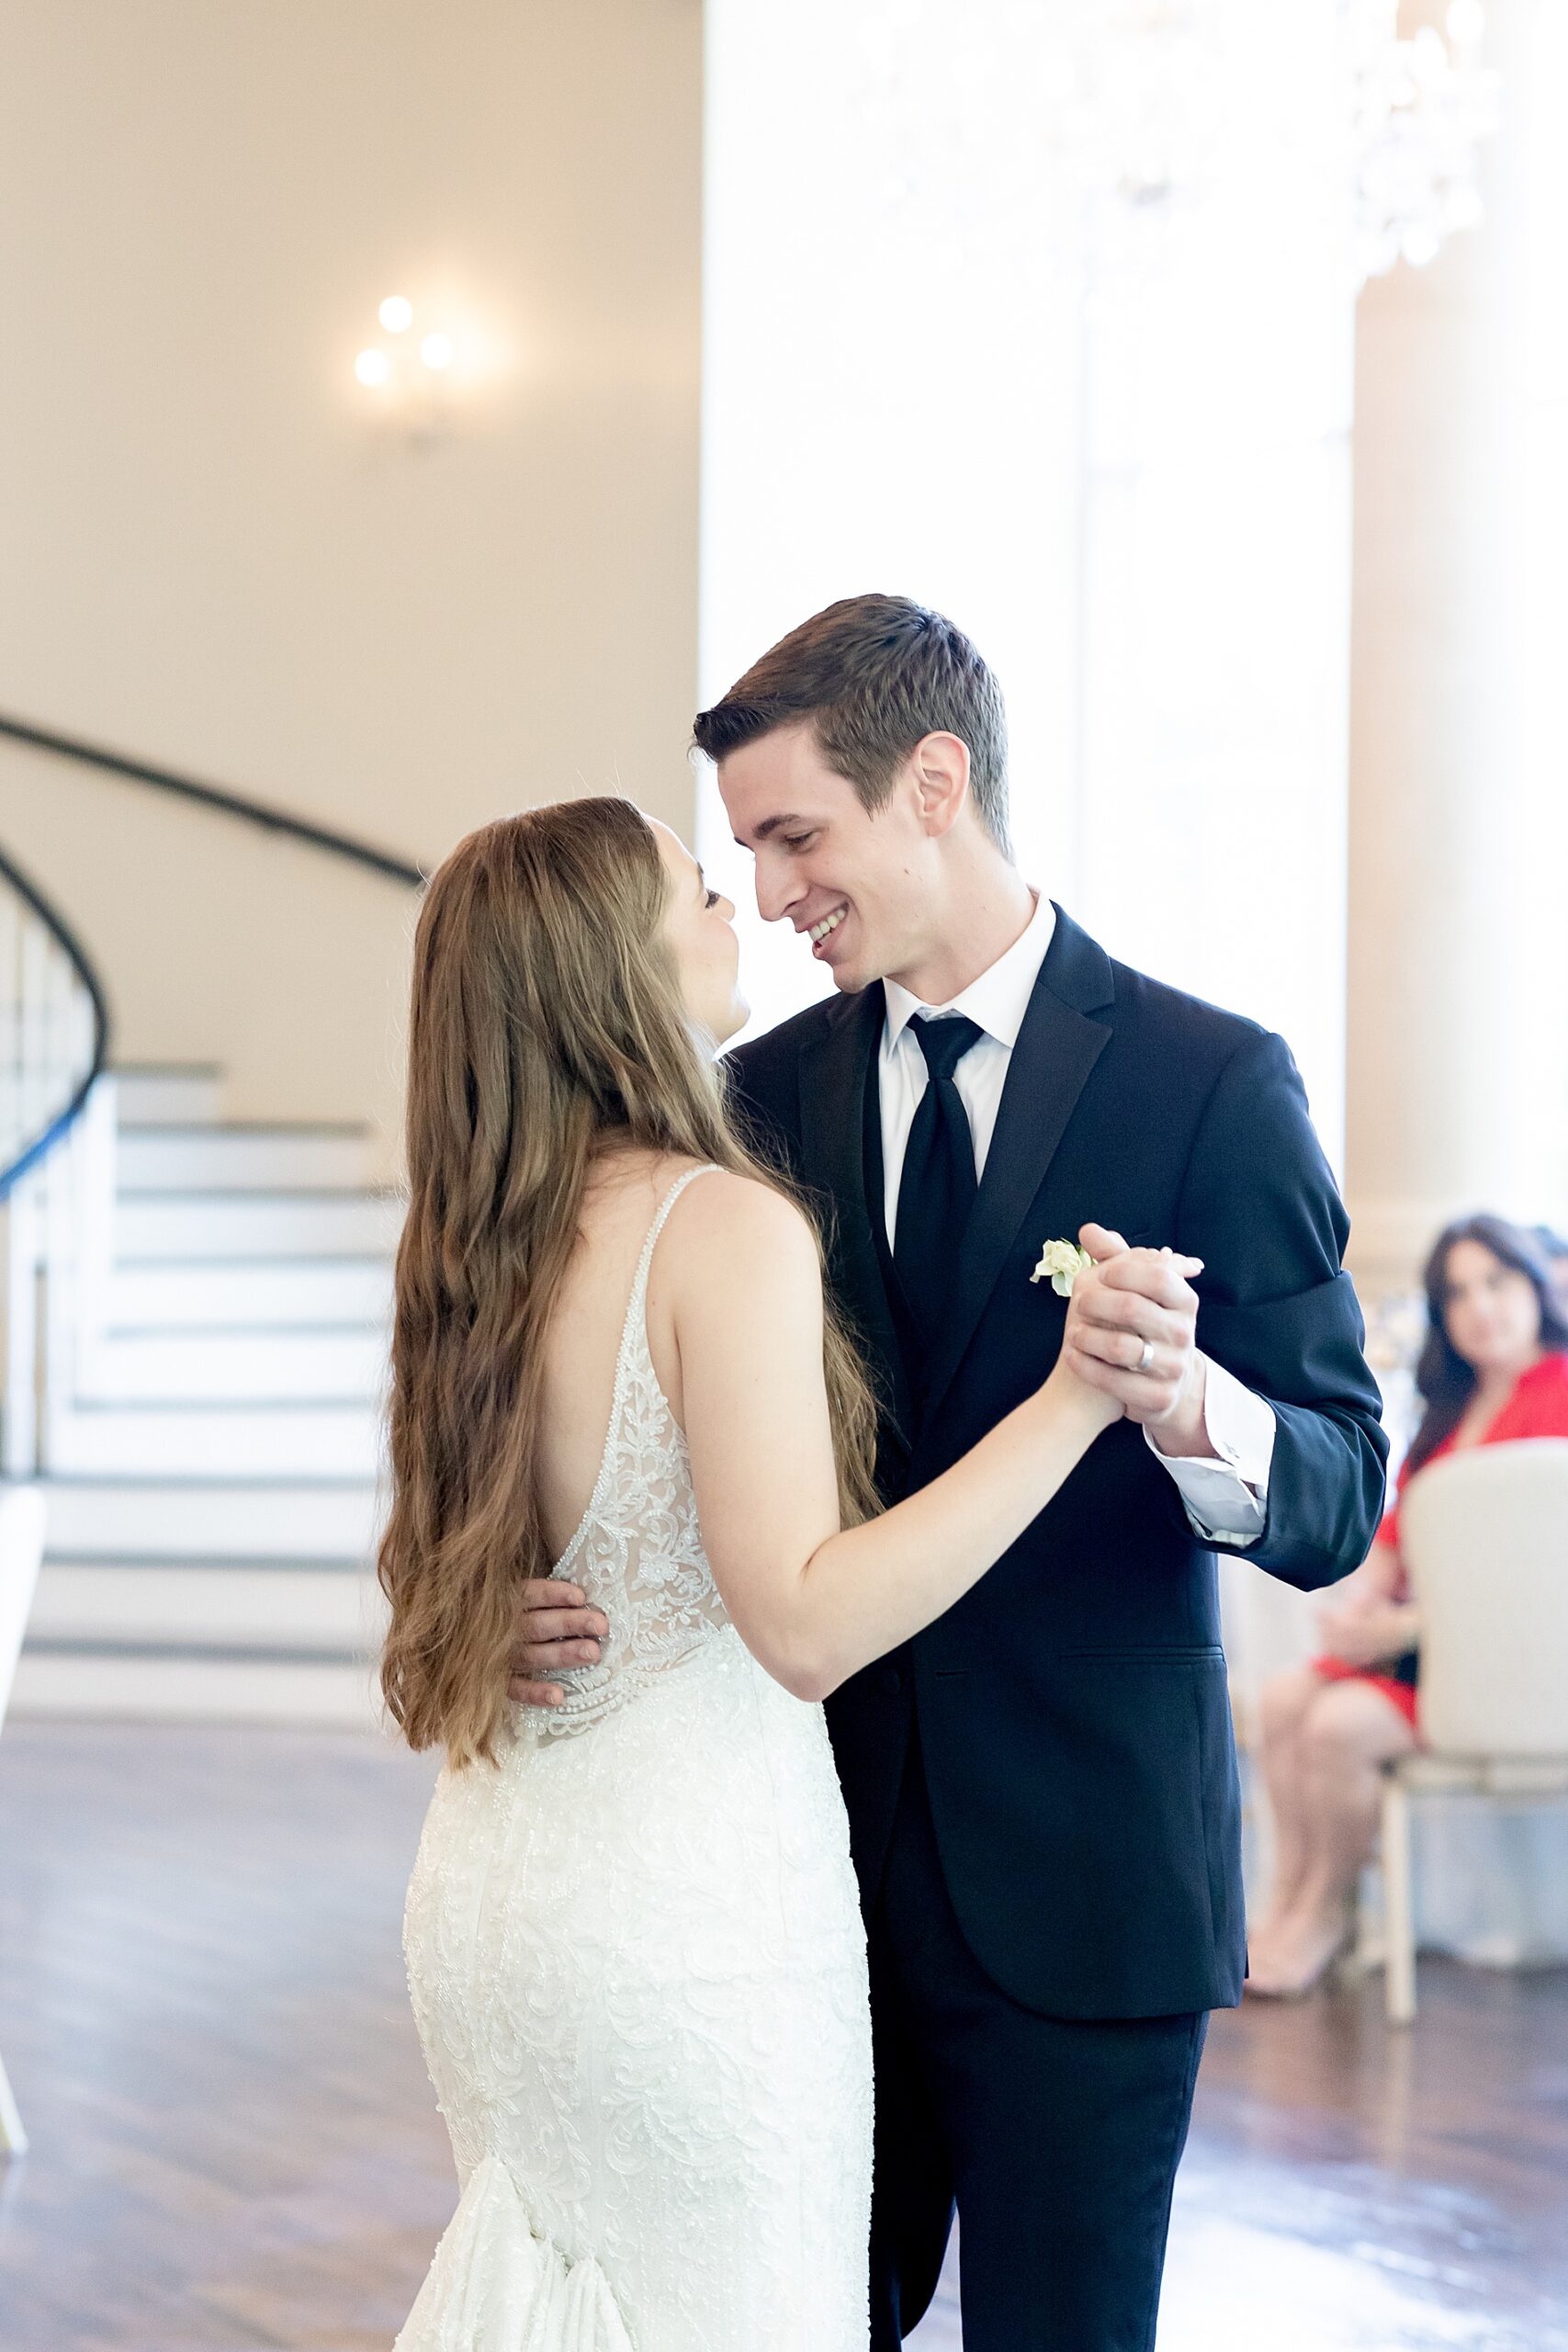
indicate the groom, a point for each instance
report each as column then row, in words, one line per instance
column 1041, row 1786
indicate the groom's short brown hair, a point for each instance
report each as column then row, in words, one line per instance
column 873, row 674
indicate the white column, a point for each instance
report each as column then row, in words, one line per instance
column 1459, row 807
column 1458, row 989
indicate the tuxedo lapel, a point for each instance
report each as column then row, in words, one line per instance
column 834, row 1075
column 1057, row 1048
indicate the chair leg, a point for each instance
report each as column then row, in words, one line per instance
column 13, row 2136
column 1364, row 1930
column 1399, row 1918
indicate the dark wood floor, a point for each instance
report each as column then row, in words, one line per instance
column 202, row 2011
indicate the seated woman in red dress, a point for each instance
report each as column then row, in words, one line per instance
column 1494, row 1368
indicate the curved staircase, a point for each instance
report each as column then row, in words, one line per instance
column 211, row 1464
column 193, row 1317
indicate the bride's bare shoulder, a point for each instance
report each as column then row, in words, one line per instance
column 726, row 1221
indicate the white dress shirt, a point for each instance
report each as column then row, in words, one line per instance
column 1224, row 1499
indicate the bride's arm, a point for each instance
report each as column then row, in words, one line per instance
column 811, row 1602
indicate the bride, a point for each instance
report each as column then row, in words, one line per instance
column 633, row 1944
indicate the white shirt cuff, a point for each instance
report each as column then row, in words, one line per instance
column 1226, row 1501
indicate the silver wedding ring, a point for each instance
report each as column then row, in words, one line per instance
column 1147, row 1358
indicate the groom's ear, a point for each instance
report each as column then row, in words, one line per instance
column 941, row 767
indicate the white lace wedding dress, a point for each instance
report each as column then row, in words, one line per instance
column 639, row 1971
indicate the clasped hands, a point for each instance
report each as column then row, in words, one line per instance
column 1133, row 1334
column 1129, row 1299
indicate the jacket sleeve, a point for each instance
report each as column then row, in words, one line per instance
column 1259, row 1206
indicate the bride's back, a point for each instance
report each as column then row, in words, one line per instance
column 582, row 1343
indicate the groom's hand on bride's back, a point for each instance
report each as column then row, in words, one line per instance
column 555, row 1629
column 1133, row 1334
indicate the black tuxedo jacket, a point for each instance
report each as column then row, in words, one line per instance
column 1072, row 1708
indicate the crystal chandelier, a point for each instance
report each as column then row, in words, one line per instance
column 1142, row 106
column 1419, row 110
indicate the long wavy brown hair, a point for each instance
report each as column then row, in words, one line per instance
column 547, row 1029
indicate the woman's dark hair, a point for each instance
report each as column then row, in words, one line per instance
column 1442, row 1376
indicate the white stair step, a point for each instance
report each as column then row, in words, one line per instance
column 149, row 1095
column 255, row 1225
column 243, row 1159
column 216, row 1440
column 261, row 1366
column 129, row 1687
column 160, row 1296
column 204, row 1602
column 207, row 1518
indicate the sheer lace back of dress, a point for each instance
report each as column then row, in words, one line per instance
column 637, row 1551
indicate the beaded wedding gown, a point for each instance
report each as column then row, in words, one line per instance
column 637, row 1967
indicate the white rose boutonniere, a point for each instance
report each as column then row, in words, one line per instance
column 1064, row 1261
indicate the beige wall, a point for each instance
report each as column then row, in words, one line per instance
column 210, row 557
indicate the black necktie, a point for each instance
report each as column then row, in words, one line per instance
column 936, row 1191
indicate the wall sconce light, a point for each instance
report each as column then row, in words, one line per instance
column 409, row 379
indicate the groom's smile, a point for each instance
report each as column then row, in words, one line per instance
column 821, row 932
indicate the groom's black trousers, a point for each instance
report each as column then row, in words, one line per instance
column 1057, row 2138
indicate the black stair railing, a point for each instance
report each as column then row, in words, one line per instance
column 211, row 795
column 56, row 1025
column 54, row 1013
